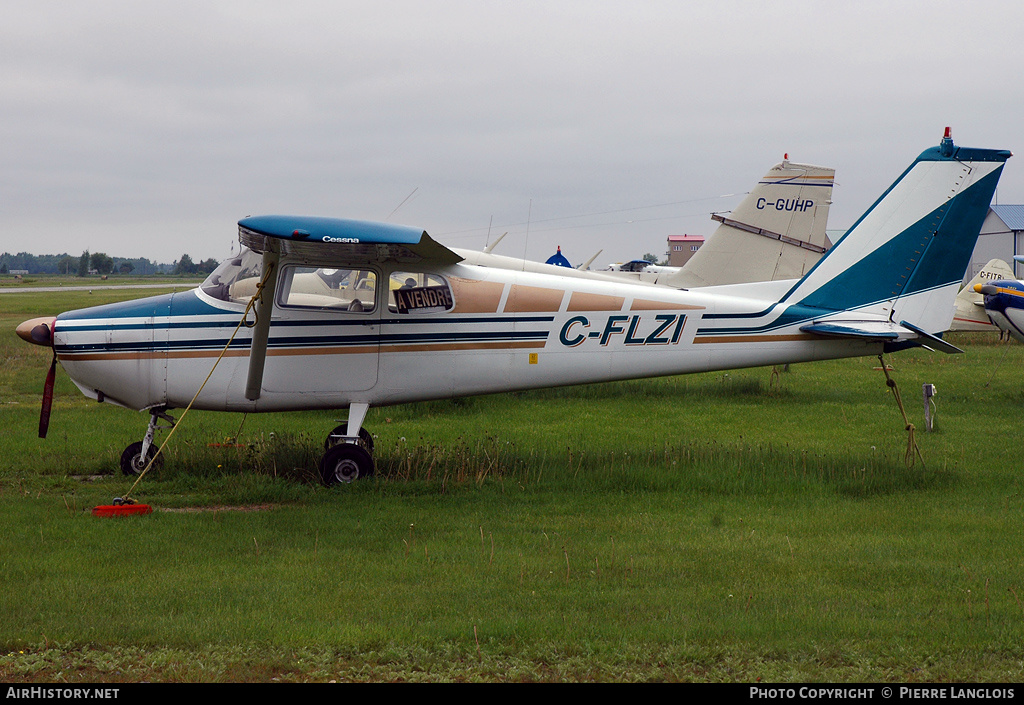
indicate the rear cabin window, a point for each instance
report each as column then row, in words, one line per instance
column 319, row 287
column 417, row 292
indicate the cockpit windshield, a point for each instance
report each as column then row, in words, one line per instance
column 235, row 279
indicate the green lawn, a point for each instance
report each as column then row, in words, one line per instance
column 721, row 527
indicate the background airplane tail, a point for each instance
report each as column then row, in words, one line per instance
column 905, row 258
column 777, row 231
column 970, row 305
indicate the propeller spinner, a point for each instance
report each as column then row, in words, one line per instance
column 38, row 331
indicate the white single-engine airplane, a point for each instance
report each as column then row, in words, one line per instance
column 351, row 314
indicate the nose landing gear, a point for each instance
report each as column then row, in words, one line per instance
column 138, row 455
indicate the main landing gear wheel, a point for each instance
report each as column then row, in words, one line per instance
column 132, row 462
column 365, row 438
column 344, row 463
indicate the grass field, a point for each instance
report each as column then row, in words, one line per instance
column 11, row 283
column 759, row 524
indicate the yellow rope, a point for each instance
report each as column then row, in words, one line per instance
column 912, row 448
column 258, row 296
column 239, row 431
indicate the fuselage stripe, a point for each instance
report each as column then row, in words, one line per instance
column 333, row 350
column 754, row 338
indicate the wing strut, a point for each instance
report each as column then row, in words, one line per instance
column 261, row 331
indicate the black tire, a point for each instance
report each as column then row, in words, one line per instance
column 345, row 463
column 365, row 438
column 132, row 462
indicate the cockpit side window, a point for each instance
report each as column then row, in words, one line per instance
column 320, row 287
column 418, row 292
column 235, row 279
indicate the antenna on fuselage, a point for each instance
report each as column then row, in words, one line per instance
column 526, row 240
column 402, row 203
column 490, row 248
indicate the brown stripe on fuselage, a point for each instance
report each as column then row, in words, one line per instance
column 755, row 338
column 533, row 299
column 473, row 296
column 446, row 347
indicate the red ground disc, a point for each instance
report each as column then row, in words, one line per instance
column 121, row 510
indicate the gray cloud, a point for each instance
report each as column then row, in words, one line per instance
column 149, row 129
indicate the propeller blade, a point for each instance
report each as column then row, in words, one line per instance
column 44, row 413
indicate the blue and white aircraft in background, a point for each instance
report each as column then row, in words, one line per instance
column 351, row 315
column 1004, row 303
column 970, row 315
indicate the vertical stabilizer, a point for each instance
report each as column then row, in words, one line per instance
column 777, row 232
column 906, row 256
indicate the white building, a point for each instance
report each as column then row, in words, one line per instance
column 1002, row 237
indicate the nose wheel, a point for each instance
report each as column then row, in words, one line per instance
column 134, row 460
column 138, row 455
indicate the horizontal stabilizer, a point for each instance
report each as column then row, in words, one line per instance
column 836, row 330
column 906, row 334
column 932, row 342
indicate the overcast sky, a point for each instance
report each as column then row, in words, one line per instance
column 148, row 129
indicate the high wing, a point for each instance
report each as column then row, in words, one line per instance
column 335, row 240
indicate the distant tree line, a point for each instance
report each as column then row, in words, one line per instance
column 99, row 263
column 185, row 265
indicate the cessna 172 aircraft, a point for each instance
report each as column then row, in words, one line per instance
column 351, row 314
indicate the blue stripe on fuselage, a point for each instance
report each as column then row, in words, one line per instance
column 297, row 342
column 137, row 308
